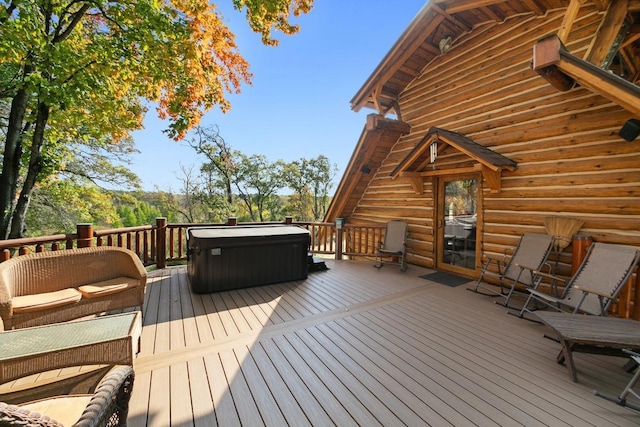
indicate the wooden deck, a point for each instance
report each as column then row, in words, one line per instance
column 357, row 346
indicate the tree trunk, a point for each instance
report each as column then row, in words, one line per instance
column 35, row 166
column 11, row 159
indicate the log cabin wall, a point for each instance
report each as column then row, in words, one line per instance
column 571, row 160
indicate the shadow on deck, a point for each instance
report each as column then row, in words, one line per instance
column 356, row 345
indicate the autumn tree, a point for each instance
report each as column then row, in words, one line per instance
column 76, row 71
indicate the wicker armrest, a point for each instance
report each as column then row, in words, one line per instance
column 12, row 415
column 109, row 405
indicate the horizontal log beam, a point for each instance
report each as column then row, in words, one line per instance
column 552, row 61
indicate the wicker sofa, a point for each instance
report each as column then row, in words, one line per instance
column 50, row 287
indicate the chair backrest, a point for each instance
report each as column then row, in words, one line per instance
column 532, row 252
column 395, row 236
column 605, row 269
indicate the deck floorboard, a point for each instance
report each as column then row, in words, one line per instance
column 355, row 345
column 358, row 346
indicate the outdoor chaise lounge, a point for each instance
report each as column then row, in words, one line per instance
column 50, row 287
column 394, row 245
column 605, row 269
column 107, row 406
column 530, row 255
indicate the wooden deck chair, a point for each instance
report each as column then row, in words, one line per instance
column 594, row 286
column 394, row 245
column 530, row 255
column 621, row 399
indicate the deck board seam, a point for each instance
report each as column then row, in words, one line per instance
column 155, row 361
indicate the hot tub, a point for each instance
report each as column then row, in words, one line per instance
column 234, row 257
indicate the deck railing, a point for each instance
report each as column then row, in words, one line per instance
column 164, row 243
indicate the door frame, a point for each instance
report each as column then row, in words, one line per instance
column 439, row 221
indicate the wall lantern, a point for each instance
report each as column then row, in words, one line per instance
column 445, row 44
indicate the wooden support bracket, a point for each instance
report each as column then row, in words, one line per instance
column 416, row 181
column 492, row 177
column 552, row 61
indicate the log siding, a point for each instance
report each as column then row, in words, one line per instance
column 571, row 160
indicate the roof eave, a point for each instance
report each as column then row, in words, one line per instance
column 361, row 98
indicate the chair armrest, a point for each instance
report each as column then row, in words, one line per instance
column 591, row 291
column 110, row 402
column 549, row 276
column 496, row 260
column 13, row 415
column 533, row 270
column 539, row 276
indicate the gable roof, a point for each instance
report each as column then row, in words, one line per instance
column 446, row 21
column 419, row 44
column 377, row 138
column 436, row 140
column 416, row 160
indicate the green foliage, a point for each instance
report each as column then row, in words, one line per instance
column 139, row 213
column 249, row 186
column 310, row 180
column 79, row 72
column 59, row 205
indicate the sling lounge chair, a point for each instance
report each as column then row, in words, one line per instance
column 394, row 245
column 528, row 257
column 594, row 286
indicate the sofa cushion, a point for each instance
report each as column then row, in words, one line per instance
column 45, row 300
column 66, row 410
column 108, row 287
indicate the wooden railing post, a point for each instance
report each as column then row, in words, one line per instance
column 85, row 235
column 339, row 234
column 161, row 242
column 232, row 220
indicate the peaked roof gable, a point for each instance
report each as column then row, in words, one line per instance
column 416, row 161
column 435, row 141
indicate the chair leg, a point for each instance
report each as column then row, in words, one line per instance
column 621, row 399
column 378, row 262
column 492, row 293
column 403, row 263
column 513, row 288
column 524, row 310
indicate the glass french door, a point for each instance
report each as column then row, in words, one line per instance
column 457, row 219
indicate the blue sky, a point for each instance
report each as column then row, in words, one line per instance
column 298, row 105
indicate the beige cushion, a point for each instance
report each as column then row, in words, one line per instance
column 43, row 301
column 107, row 287
column 64, row 409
